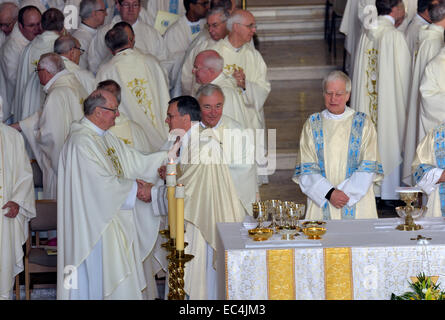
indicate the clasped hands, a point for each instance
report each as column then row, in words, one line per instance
column 338, row 199
column 144, row 190
column 240, row 78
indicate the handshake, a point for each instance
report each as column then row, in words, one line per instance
column 144, row 190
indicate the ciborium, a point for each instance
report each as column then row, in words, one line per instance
column 409, row 212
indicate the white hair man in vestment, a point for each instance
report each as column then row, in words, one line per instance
column 17, row 204
column 208, row 68
column 99, row 230
column 28, row 97
column 216, row 30
column 431, row 40
column 380, row 88
column 46, row 129
column 421, row 19
column 428, row 170
column 147, row 39
column 26, row 29
column 69, row 48
column 182, row 32
column 246, row 65
column 338, row 160
column 92, row 14
column 143, row 81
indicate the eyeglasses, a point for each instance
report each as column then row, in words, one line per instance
column 214, row 25
column 32, row 26
column 81, row 50
column 37, row 70
column 198, row 68
column 250, row 26
column 128, row 6
column 101, row 10
column 335, row 94
column 109, row 109
column 204, row 4
column 6, row 25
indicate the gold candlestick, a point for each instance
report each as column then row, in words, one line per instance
column 177, row 276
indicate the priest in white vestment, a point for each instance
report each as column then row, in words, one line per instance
column 428, row 170
column 28, row 96
column 338, row 161
column 215, row 31
column 144, row 85
column 147, row 39
column 70, row 50
column 422, row 18
column 208, row 68
column 431, row 39
column 181, row 34
column 380, row 88
column 46, row 129
column 98, row 231
column 210, row 196
column 8, row 17
column 92, row 14
column 26, row 29
column 17, row 204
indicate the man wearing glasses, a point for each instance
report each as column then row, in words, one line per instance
column 216, row 30
column 148, row 40
column 27, row 28
column 100, row 227
column 47, row 129
column 246, row 65
column 69, row 49
column 180, row 34
column 92, row 14
column 8, row 18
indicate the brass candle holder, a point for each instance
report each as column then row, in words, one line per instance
column 176, row 278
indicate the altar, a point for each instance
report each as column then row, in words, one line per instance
column 354, row 260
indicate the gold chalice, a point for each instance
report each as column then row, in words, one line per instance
column 408, row 212
column 314, row 233
column 260, row 234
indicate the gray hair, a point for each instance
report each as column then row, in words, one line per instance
column 235, row 17
column 107, row 85
column 437, row 11
column 87, row 7
column 225, row 15
column 64, row 44
column 94, row 100
column 207, row 90
column 337, row 75
column 51, row 62
column 215, row 61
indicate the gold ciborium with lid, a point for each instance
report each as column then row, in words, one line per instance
column 409, row 212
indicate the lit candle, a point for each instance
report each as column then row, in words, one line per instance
column 180, row 194
column 171, row 183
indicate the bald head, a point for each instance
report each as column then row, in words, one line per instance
column 8, row 16
column 208, row 66
column 241, row 26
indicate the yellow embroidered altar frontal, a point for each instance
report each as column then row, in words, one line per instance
column 338, row 273
column 280, row 274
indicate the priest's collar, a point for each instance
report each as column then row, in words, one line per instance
column 422, row 19
column 328, row 115
column 90, row 124
column 215, row 127
column 393, row 21
column 54, row 79
column 87, row 28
